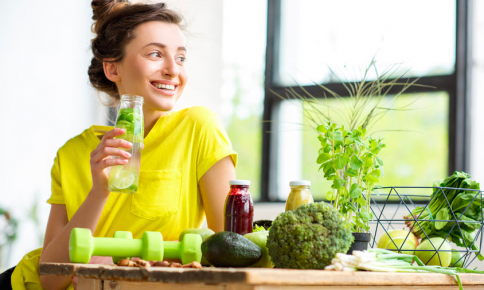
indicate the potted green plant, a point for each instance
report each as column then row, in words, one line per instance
column 348, row 156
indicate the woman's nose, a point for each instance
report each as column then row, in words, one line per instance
column 170, row 68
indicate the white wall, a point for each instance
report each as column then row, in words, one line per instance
column 44, row 57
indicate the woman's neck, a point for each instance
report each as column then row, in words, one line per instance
column 150, row 118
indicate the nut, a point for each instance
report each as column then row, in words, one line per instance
column 132, row 264
column 195, row 265
column 161, row 264
column 143, row 263
column 124, row 262
column 176, row 265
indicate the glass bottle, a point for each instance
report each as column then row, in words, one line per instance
column 299, row 194
column 239, row 208
column 125, row 178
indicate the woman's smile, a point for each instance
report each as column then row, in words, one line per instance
column 164, row 87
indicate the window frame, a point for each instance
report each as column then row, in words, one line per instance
column 456, row 85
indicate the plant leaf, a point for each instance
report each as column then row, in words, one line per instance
column 378, row 159
column 339, row 161
column 351, row 172
column 355, row 191
column 356, row 162
column 321, row 128
column 323, row 158
column 338, row 183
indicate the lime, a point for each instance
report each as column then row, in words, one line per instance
column 124, row 179
column 113, row 174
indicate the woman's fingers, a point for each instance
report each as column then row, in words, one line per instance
column 104, row 152
column 110, row 146
column 117, row 143
column 113, row 133
column 99, row 166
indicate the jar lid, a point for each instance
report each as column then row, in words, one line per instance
column 300, row 182
column 239, row 182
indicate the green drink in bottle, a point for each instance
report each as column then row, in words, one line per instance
column 124, row 178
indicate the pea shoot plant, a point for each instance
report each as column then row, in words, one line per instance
column 354, row 167
column 348, row 155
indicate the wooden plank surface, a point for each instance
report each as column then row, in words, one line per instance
column 255, row 276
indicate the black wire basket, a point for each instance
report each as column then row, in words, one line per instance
column 391, row 204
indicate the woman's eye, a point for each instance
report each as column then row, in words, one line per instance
column 181, row 59
column 155, row 54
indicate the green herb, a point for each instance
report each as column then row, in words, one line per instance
column 465, row 207
column 354, row 167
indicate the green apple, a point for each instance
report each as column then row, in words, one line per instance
column 260, row 239
column 205, row 233
column 456, row 260
column 398, row 240
column 429, row 247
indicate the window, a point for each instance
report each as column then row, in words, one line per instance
column 307, row 39
column 243, row 50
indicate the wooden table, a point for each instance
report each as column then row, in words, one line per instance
column 105, row 277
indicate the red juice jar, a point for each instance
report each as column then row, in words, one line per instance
column 239, row 208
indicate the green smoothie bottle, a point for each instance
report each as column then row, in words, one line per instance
column 125, row 178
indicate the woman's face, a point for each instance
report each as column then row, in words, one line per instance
column 153, row 65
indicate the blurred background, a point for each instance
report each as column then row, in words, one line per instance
column 240, row 53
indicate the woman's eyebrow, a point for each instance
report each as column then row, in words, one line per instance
column 161, row 45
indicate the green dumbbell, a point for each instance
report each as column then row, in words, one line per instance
column 82, row 246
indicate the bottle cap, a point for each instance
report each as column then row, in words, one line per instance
column 300, row 182
column 239, row 182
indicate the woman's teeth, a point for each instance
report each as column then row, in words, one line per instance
column 166, row 87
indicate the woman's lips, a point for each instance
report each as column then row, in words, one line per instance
column 164, row 91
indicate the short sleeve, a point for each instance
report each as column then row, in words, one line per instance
column 57, row 197
column 214, row 145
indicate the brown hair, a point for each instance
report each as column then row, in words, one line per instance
column 114, row 23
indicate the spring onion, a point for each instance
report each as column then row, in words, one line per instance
column 381, row 260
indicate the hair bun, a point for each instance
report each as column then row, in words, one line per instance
column 102, row 8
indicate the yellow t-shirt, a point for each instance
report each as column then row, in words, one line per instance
column 178, row 151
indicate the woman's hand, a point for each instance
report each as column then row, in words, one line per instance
column 101, row 158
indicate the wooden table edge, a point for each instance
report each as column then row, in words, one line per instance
column 256, row 276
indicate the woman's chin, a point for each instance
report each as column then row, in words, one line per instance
column 165, row 105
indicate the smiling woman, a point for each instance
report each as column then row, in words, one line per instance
column 186, row 163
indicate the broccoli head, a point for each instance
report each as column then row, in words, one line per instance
column 309, row 237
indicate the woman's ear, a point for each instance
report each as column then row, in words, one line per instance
column 111, row 71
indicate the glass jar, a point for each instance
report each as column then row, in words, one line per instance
column 299, row 194
column 125, row 178
column 239, row 208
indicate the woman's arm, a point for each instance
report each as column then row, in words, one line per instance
column 214, row 186
column 56, row 244
column 57, row 235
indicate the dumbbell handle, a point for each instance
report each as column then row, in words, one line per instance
column 117, row 247
column 171, row 250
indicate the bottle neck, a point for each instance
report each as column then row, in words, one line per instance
column 239, row 189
